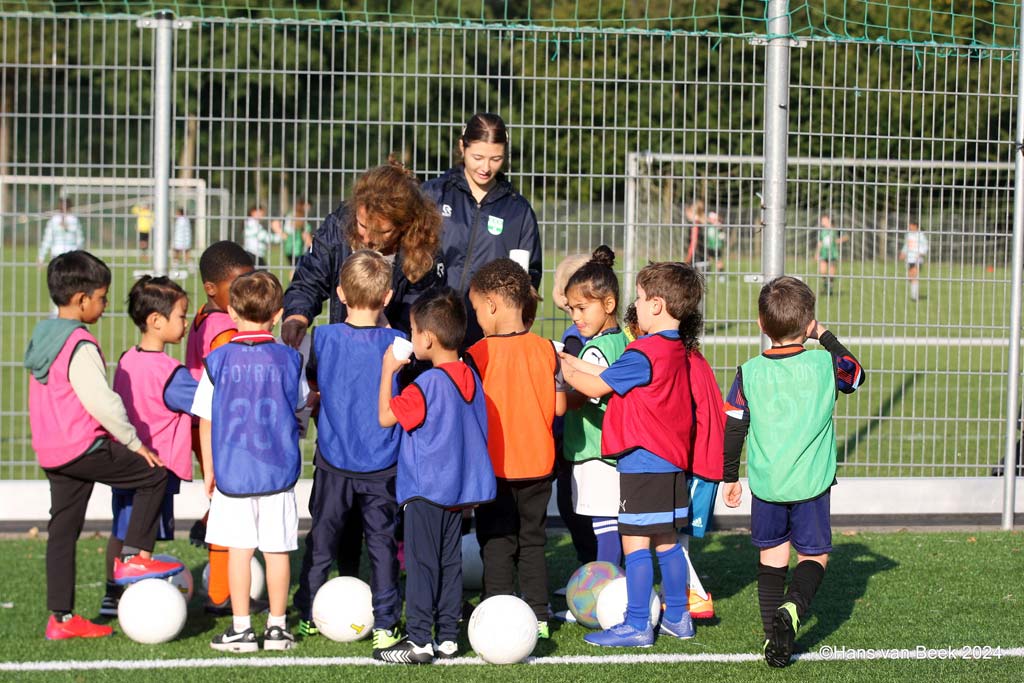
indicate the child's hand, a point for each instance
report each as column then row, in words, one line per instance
column 817, row 330
column 392, row 364
column 152, row 458
column 732, row 493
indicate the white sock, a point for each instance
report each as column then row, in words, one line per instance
column 280, row 621
column 239, row 624
column 694, row 581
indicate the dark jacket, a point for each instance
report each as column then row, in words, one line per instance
column 316, row 278
column 474, row 234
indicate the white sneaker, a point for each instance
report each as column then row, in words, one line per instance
column 449, row 649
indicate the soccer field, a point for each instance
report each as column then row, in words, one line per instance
column 883, row 592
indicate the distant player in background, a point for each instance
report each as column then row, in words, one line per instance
column 143, row 225
column 256, row 236
column 181, row 238
column 915, row 248
column 298, row 233
column 63, row 233
column 829, row 240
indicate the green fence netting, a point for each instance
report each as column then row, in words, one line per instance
column 945, row 23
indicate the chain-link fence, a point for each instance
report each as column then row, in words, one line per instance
column 615, row 135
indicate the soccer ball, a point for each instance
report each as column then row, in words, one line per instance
column 584, row 587
column 151, row 611
column 611, row 604
column 257, row 579
column 182, row 580
column 472, row 565
column 343, row 609
column 503, row 630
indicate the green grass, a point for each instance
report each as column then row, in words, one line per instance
column 932, row 411
column 882, row 590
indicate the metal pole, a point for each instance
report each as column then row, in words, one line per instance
column 632, row 187
column 1013, row 365
column 776, row 132
column 162, row 97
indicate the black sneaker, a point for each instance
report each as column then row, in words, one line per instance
column 197, row 534
column 406, row 652
column 277, row 638
column 779, row 647
column 232, row 641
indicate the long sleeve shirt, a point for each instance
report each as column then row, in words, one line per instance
column 88, row 379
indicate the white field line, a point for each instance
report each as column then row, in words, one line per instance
column 997, row 342
column 825, row 654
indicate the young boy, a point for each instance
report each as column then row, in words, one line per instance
column 81, row 435
column 157, row 392
column 522, row 382
column 915, row 248
column 785, row 398
column 257, row 238
column 650, row 380
column 829, row 240
column 219, row 266
column 246, row 400
column 442, row 466
column 355, row 457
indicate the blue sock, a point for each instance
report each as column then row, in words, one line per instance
column 674, row 574
column 609, row 545
column 639, row 582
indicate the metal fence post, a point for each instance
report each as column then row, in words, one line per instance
column 632, row 187
column 776, row 141
column 163, row 99
column 1013, row 365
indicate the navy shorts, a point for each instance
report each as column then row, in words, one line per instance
column 652, row 503
column 121, row 506
column 806, row 525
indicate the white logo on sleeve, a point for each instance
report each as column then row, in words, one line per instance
column 446, row 210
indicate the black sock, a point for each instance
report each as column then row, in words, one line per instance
column 807, row 578
column 771, row 585
column 114, row 590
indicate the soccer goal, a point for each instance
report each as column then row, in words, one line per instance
column 113, row 213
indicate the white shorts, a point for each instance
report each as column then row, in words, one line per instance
column 595, row 489
column 270, row 523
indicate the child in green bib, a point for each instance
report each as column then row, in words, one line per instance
column 783, row 400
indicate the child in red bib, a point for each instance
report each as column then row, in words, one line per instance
column 651, row 380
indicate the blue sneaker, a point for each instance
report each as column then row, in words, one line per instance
column 682, row 629
column 622, row 635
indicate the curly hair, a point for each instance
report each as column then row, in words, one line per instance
column 392, row 193
column 507, row 279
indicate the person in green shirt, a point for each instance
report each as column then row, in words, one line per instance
column 298, row 232
column 829, row 240
column 784, row 399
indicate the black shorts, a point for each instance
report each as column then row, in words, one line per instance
column 652, row 503
column 143, row 239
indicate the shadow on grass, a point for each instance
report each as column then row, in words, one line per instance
column 850, row 567
column 850, row 444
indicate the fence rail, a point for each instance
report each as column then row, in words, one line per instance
column 615, row 136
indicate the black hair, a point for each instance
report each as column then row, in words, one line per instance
column 442, row 313
column 221, row 258
column 507, row 279
column 74, row 272
column 595, row 279
column 153, row 295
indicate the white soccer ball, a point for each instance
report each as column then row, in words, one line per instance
column 472, row 565
column 257, row 579
column 503, row 630
column 611, row 604
column 151, row 611
column 343, row 609
column 182, row 580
